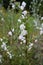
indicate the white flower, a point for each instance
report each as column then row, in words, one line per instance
column 10, row 33
column 22, row 27
column 8, row 52
column 1, row 39
column 19, row 20
column 20, row 42
column 21, row 7
column 24, row 13
column 31, row 44
column 24, row 32
column 13, row 6
column 3, row 46
column 10, row 55
column 23, row 17
column 41, row 18
column 24, row 41
column 29, row 48
column 36, row 40
column 21, row 38
column 2, row 19
column 38, row 28
column 23, row 4
column 13, row 30
column 20, row 55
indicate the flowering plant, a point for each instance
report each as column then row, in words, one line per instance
column 21, row 36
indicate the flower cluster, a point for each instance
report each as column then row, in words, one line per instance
column 30, row 46
column 5, row 49
column 23, row 33
column 24, row 13
column 3, row 46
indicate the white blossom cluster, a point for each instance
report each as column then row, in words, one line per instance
column 41, row 18
column 19, row 20
column 2, row 19
column 23, row 33
column 22, row 26
column 10, row 55
column 4, row 47
column 30, row 46
column 24, row 13
column 23, row 16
